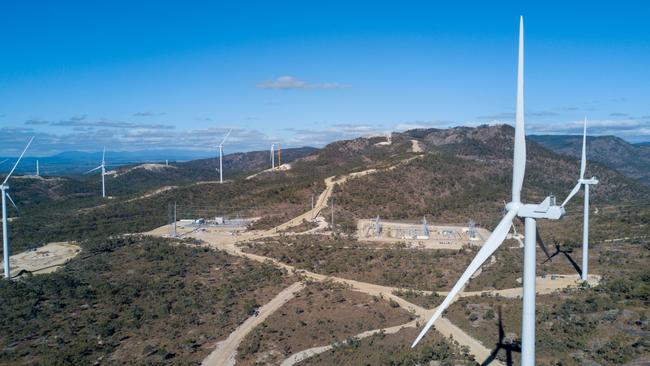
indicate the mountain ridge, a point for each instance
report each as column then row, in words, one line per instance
column 633, row 160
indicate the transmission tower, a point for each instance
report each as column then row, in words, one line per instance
column 172, row 217
column 332, row 224
column 377, row 227
column 425, row 226
column 471, row 229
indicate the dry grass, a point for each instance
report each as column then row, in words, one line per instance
column 322, row 314
column 397, row 267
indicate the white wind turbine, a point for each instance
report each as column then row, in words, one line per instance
column 103, row 169
column 272, row 156
column 529, row 212
column 4, row 187
column 586, row 183
column 220, row 146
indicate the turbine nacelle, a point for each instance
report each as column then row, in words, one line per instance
column 592, row 180
column 547, row 209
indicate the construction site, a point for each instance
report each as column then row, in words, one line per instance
column 421, row 234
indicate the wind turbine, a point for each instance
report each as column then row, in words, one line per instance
column 103, row 168
column 220, row 146
column 4, row 187
column 529, row 212
column 586, row 183
column 272, row 156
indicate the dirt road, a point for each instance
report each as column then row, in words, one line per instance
column 415, row 146
column 311, row 352
column 445, row 327
column 226, row 351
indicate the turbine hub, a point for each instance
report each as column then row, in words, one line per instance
column 513, row 206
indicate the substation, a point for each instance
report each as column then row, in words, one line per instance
column 421, row 234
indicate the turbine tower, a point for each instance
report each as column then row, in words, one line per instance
column 272, row 156
column 529, row 212
column 4, row 188
column 103, row 171
column 38, row 170
column 585, row 224
column 220, row 146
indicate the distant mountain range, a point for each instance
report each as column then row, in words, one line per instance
column 76, row 162
column 632, row 160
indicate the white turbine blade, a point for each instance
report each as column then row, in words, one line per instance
column 103, row 155
column 583, row 160
column 92, row 170
column 491, row 244
column 12, row 201
column 573, row 193
column 4, row 161
column 519, row 156
column 18, row 161
column 225, row 137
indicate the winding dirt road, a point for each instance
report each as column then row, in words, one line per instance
column 311, row 352
column 225, row 352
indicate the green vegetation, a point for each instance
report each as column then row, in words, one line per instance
column 607, row 324
column 394, row 350
column 135, row 300
column 466, row 174
column 275, row 198
column 338, row 256
column 323, row 313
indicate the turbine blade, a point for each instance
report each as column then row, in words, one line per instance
column 583, row 160
column 92, row 170
column 12, row 201
column 18, row 161
column 4, row 161
column 519, row 156
column 490, row 246
column 225, row 137
column 573, row 193
column 103, row 155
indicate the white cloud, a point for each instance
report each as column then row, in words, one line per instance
column 404, row 126
column 290, row 82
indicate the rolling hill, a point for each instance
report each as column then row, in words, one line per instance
column 632, row 160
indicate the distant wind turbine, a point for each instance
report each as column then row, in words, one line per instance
column 4, row 187
column 586, row 183
column 272, row 156
column 103, row 171
column 547, row 209
column 220, row 146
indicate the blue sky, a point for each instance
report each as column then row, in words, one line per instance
column 142, row 75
